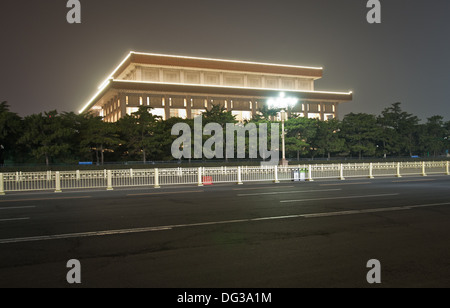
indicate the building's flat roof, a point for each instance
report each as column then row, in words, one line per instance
column 215, row 91
column 216, row 64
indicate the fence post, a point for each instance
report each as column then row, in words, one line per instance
column 200, row 182
column 310, row 178
column 423, row 169
column 371, row 171
column 398, row 171
column 447, row 168
column 157, row 178
column 341, row 171
column 2, row 185
column 239, row 176
column 57, row 182
column 275, row 170
column 109, row 180
column 77, row 174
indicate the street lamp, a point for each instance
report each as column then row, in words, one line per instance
column 282, row 102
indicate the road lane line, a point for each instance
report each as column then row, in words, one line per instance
column 334, row 198
column 407, row 181
column 287, row 192
column 171, row 227
column 339, row 184
column 44, row 199
column 17, row 207
column 14, row 219
column 269, row 187
column 168, row 193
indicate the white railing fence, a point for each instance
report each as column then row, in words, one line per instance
column 108, row 179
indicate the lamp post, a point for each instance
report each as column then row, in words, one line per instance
column 284, row 162
column 282, row 102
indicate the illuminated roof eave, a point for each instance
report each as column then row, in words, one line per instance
column 346, row 96
column 228, row 87
column 131, row 53
column 224, row 60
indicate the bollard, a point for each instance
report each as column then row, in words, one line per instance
column 423, row 169
column 57, row 182
column 157, row 178
column 447, row 168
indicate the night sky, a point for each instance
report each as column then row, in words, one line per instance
column 49, row 64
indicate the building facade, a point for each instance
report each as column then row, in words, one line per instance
column 177, row 86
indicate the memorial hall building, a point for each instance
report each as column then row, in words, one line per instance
column 178, row 86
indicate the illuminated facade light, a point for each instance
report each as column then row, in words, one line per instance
column 282, row 102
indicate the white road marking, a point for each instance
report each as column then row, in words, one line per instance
column 44, row 199
column 287, row 192
column 334, row 198
column 166, row 228
column 17, row 207
column 339, row 184
column 407, row 181
column 14, row 219
column 168, row 193
column 268, row 187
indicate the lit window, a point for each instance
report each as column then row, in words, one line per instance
column 131, row 110
column 159, row 112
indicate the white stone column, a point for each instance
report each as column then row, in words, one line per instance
column 157, row 178
column 109, row 180
column 341, row 171
column 199, row 173
column 398, row 171
column 423, row 169
column 275, row 170
column 2, row 185
column 57, row 182
column 239, row 176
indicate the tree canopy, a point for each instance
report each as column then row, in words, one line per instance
column 52, row 137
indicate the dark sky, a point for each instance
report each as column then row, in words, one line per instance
column 49, row 64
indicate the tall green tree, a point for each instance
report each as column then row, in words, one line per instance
column 46, row 135
column 97, row 136
column 141, row 134
column 10, row 130
column 400, row 130
column 433, row 136
column 328, row 139
column 361, row 133
column 300, row 133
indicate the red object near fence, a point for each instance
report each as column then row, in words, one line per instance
column 207, row 180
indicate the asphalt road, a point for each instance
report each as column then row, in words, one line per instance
column 259, row 235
